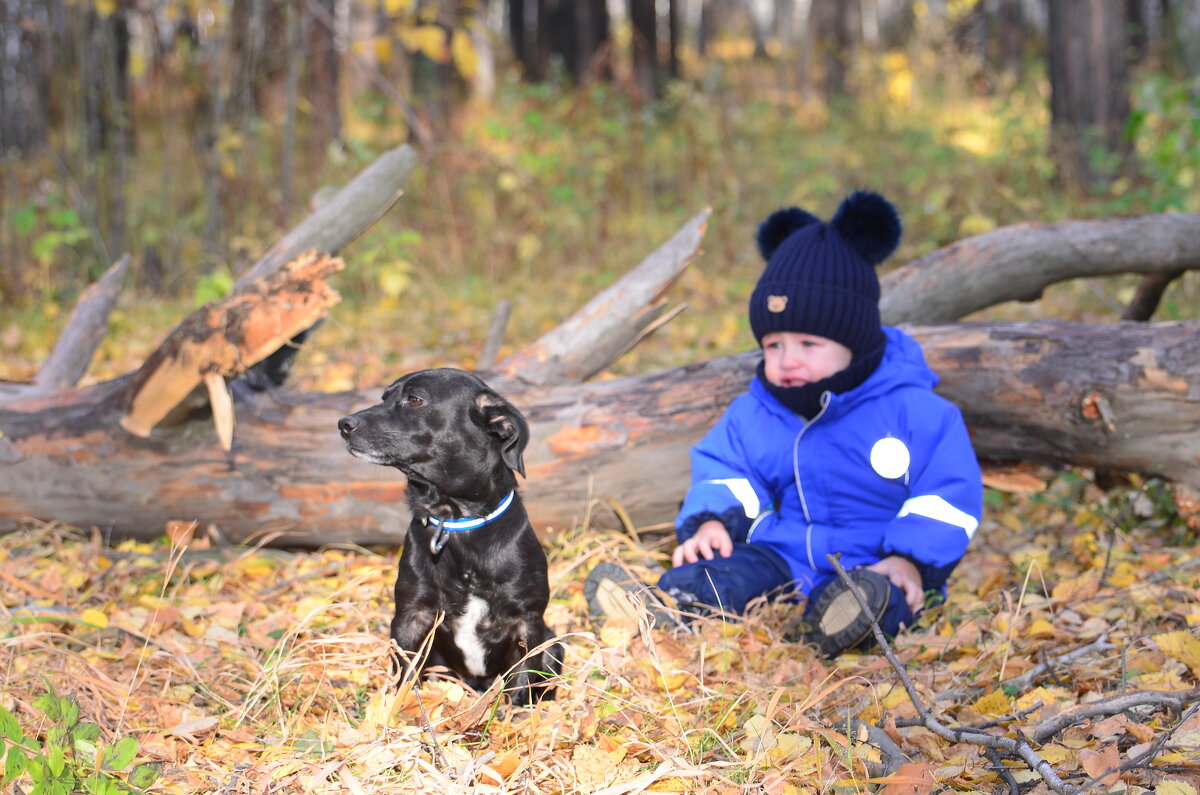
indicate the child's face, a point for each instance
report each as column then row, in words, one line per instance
column 791, row 359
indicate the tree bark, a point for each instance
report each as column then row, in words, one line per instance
column 1123, row 396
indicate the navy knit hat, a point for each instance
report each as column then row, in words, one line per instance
column 820, row 277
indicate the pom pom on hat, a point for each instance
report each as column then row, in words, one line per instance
column 820, row 277
column 779, row 227
column 869, row 224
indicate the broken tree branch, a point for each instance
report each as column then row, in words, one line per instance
column 610, row 323
column 85, row 329
column 1149, row 294
column 1016, row 263
column 220, row 341
column 1026, row 680
column 345, row 216
column 1111, row 706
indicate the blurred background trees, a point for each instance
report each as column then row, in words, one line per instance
column 562, row 138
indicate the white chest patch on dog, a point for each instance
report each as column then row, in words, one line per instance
column 466, row 636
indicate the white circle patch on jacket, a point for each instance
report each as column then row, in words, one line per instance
column 890, row 457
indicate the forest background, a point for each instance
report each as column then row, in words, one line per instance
column 561, row 142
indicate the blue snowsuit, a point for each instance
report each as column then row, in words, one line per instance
column 883, row 469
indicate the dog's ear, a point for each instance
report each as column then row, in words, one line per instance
column 502, row 420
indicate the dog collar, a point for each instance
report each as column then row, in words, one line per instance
column 447, row 526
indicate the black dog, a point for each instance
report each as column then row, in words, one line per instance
column 471, row 553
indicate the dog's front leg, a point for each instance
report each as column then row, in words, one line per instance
column 410, row 633
column 531, row 682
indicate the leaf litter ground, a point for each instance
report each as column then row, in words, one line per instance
column 1072, row 625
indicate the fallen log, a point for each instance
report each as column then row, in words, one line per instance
column 1119, row 396
column 1123, row 396
column 1016, row 263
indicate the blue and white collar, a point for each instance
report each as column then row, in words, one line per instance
column 447, row 526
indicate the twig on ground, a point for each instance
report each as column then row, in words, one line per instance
column 1002, row 770
column 955, row 735
column 1143, row 759
column 1111, row 706
column 893, row 756
column 1025, row 680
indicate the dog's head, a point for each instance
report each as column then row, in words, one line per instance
column 445, row 427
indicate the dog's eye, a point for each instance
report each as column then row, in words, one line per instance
column 414, row 401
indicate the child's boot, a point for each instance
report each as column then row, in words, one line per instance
column 837, row 623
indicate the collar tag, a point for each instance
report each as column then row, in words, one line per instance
column 447, row 526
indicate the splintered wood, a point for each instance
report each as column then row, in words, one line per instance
column 221, row 341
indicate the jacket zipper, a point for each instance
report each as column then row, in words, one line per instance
column 825, row 399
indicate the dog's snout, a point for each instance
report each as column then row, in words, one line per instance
column 347, row 425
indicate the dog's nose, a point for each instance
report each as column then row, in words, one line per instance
column 347, row 425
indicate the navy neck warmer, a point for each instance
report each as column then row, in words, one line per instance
column 806, row 400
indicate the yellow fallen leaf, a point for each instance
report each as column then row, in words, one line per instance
column 1056, row 754
column 1181, row 645
column 760, row 735
column 594, row 767
column 1174, row 788
column 1078, row 588
column 994, row 703
column 616, row 633
column 790, row 745
column 1040, row 628
column 97, row 618
column 1048, row 696
column 257, row 567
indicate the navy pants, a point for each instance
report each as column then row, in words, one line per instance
column 752, row 571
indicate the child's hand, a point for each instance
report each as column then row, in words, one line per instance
column 711, row 537
column 904, row 575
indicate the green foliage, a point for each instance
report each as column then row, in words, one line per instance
column 1165, row 129
column 387, row 263
column 52, row 232
column 213, row 286
column 70, row 756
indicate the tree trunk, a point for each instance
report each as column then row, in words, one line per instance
column 324, row 89
column 836, row 41
column 1012, row 33
column 580, row 35
column 1120, row 396
column 1089, row 91
column 644, row 19
column 25, row 46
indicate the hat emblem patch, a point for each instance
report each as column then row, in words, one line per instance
column 776, row 303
